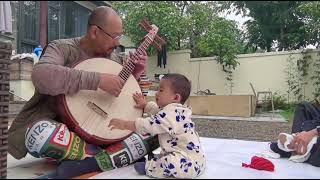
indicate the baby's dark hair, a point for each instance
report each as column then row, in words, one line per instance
column 180, row 85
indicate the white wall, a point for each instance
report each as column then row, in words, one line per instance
column 266, row 71
column 22, row 88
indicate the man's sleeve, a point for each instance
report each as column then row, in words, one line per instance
column 50, row 76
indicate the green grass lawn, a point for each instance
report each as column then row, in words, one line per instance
column 288, row 113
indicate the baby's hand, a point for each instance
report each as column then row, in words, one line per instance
column 117, row 124
column 140, row 100
column 122, row 124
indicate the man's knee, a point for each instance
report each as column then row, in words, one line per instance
column 303, row 105
column 314, row 159
column 38, row 136
column 307, row 106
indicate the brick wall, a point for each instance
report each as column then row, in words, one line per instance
column 5, row 53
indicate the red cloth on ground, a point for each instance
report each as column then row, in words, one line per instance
column 260, row 163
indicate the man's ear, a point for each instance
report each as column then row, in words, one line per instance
column 92, row 31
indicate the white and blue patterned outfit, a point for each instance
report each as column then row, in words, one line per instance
column 181, row 153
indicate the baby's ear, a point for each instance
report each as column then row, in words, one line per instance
column 177, row 98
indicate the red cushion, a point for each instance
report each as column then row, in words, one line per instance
column 260, row 163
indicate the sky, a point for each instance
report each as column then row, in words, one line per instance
column 238, row 18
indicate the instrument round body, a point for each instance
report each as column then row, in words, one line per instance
column 88, row 112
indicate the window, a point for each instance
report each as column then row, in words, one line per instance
column 28, row 29
column 70, row 20
column 66, row 19
column 74, row 19
column 53, row 20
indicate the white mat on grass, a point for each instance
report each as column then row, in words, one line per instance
column 224, row 160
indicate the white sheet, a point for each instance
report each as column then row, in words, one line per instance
column 224, row 160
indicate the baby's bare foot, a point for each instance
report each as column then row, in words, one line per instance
column 285, row 141
column 282, row 138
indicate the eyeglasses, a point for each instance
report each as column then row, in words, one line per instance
column 115, row 38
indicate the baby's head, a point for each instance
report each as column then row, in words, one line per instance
column 174, row 88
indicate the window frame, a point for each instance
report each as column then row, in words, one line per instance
column 21, row 29
column 79, row 26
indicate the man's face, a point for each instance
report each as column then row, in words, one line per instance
column 107, row 37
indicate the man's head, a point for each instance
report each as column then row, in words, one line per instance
column 104, row 30
column 174, row 88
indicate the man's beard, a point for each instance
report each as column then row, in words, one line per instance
column 107, row 54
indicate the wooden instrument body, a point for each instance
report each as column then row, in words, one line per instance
column 79, row 115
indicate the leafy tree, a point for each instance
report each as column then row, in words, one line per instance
column 310, row 14
column 198, row 16
column 273, row 21
column 220, row 40
column 187, row 24
column 184, row 24
column 164, row 14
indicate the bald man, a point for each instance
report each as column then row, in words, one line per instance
column 38, row 129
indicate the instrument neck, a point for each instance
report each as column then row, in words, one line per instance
column 130, row 65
